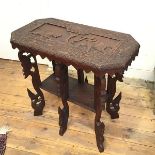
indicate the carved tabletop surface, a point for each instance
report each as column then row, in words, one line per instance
column 92, row 49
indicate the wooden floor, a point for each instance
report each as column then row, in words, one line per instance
column 132, row 134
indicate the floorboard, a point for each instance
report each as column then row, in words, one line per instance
column 132, row 134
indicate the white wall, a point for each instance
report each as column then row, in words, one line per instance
column 135, row 17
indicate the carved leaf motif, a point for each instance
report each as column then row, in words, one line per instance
column 63, row 119
column 112, row 106
column 37, row 103
column 99, row 131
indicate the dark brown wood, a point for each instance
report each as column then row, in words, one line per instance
column 37, row 100
column 82, row 95
column 99, row 99
column 112, row 105
column 89, row 48
column 3, row 139
column 86, row 80
column 80, row 74
column 61, row 73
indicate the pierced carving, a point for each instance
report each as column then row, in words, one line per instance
column 27, row 67
column 99, row 132
column 63, row 119
column 37, row 103
column 25, row 63
column 37, row 100
column 112, row 106
column 119, row 77
column 85, row 47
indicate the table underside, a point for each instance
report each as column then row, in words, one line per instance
column 80, row 94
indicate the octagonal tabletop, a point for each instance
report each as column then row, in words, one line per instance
column 89, row 48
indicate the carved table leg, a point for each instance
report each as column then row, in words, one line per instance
column 112, row 105
column 61, row 72
column 37, row 100
column 99, row 99
column 80, row 76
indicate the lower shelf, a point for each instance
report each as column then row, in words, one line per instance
column 80, row 94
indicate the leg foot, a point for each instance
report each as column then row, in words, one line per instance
column 63, row 119
column 37, row 103
column 112, row 105
column 99, row 131
column 99, row 99
column 61, row 73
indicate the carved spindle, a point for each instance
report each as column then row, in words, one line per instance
column 112, row 105
column 99, row 99
column 58, row 78
column 61, row 73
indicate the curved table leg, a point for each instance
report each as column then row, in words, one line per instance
column 99, row 101
column 61, row 73
column 112, row 105
column 37, row 100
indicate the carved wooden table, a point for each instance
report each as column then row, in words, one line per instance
column 105, row 53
